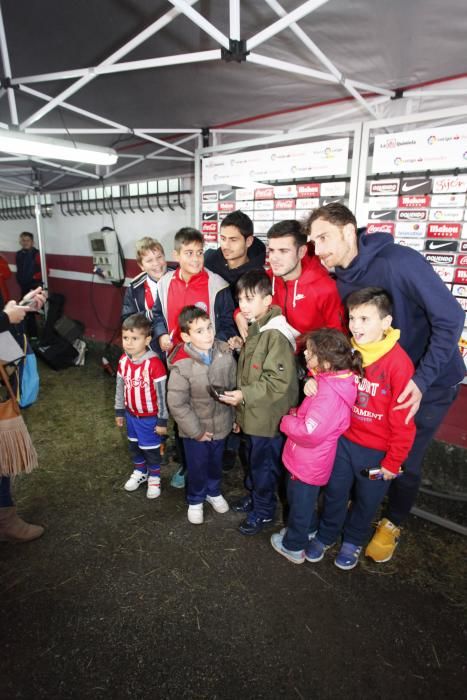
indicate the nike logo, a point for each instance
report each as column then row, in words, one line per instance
column 209, row 217
column 408, row 188
column 333, row 200
column 379, row 215
column 224, row 195
column 435, row 246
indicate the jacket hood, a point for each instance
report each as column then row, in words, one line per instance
column 343, row 383
column 278, row 322
column 215, row 261
column 183, row 351
column 369, row 246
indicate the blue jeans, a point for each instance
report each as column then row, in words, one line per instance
column 265, row 469
column 355, row 524
column 403, row 491
column 302, row 503
column 204, row 469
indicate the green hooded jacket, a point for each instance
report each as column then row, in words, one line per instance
column 267, row 375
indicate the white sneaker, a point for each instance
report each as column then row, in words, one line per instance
column 154, row 487
column 135, row 480
column 195, row 514
column 219, row 503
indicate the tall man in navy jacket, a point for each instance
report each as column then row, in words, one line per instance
column 430, row 321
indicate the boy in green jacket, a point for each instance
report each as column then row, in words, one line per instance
column 267, row 387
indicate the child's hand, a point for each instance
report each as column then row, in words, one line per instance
column 205, row 437
column 387, row 475
column 242, row 325
column 235, row 343
column 235, row 428
column 160, row 430
column 119, row 420
column 165, row 343
column 311, row 387
column 232, row 398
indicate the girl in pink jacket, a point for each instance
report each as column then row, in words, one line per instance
column 312, row 432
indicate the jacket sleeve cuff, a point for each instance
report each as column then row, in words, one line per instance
column 162, row 422
column 390, row 466
column 120, row 412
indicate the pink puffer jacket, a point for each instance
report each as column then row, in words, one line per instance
column 313, row 432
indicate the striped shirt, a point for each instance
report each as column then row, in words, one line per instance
column 141, row 386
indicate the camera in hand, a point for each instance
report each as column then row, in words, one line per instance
column 216, row 391
column 374, row 473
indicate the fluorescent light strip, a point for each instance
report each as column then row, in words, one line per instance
column 56, row 149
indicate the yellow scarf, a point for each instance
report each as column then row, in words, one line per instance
column 373, row 351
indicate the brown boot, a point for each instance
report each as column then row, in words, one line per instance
column 14, row 529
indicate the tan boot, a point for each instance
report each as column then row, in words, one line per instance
column 14, row 529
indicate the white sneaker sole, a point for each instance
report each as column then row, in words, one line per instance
column 286, row 555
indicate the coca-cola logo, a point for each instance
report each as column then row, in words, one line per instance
column 462, row 260
column 412, row 214
column 209, row 227
column 444, row 230
column 265, row 193
column 284, row 204
column 383, row 227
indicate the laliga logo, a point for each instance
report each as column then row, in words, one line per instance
column 397, row 161
column 431, row 140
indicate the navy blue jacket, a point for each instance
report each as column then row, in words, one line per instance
column 28, row 269
column 215, row 261
column 428, row 316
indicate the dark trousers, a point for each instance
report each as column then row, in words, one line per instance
column 367, row 495
column 302, row 503
column 265, row 469
column 403, row 490
column 6, row 500
column 204, row 469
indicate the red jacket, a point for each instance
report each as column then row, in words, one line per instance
column 311, row 301
column 374, row 423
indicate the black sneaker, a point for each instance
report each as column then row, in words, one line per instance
column 254, row 525
column 243, row 505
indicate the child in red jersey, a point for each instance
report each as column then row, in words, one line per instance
column 378, row 438
column 140, row 400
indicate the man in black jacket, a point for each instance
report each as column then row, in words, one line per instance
column 28, row 274
column 238, row 253
column 239, row 250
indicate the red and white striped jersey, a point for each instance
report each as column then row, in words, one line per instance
column 143, row 384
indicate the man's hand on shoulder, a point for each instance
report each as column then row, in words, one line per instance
column 410, row 398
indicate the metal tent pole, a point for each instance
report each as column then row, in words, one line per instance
column 38, row 213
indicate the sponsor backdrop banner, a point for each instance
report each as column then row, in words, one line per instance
column 441, row 148
column 309, row 160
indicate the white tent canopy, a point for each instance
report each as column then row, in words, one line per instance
column 157, row 80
